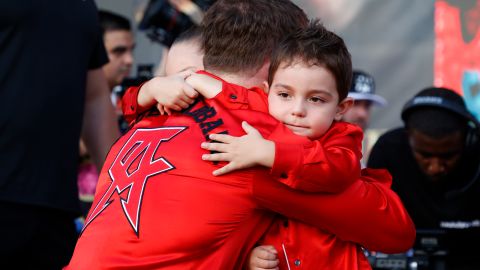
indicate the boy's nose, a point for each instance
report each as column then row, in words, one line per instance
column 298, row 109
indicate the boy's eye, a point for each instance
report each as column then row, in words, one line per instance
column 283, row 95
column 315, row 99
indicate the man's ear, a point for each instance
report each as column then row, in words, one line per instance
column 343, row 107
column 265, row 87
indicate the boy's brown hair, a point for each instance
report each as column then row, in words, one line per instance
column 239, row 35
column 315, row 45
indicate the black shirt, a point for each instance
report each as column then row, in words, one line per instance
column 452, row 209
column 46, row 50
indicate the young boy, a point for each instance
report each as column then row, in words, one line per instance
column 309, row 79
column 308, row 83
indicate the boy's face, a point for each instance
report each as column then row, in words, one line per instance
column 305, row 99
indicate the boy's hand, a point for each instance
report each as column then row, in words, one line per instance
column 171, row 93
column 242, row 152
column 207, row 86
column 263, row 258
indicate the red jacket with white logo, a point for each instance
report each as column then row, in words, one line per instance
column 157, row 204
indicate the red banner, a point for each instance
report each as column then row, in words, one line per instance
column 457, row 49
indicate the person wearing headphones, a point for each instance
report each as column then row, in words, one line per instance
column 435, row 164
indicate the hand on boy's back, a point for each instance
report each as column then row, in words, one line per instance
column 263, row 258
column 241, row 152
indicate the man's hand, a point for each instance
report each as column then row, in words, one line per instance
column 263, row 258
column 241, row 152
column 171, row 93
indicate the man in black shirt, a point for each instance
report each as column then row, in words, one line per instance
column 435, row 164
column 50, row 80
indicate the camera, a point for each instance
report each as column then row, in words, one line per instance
column 163, row 23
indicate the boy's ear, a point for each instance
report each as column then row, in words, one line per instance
column 343, row 107
column 265, row 87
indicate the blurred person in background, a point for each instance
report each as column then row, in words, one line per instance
column 119, row 43
column 363, row 92
column 435, row 163
column 53, row 89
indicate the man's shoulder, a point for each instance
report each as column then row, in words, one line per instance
column 397, row 135
column 393, row 143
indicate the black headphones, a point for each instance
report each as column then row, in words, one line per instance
column 459, row 108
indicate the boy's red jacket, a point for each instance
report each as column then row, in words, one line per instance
column 158, row 206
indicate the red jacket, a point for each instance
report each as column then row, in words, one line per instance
column 157, row 204
column 179, row 209
column 329, row 164
column 302, row 246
